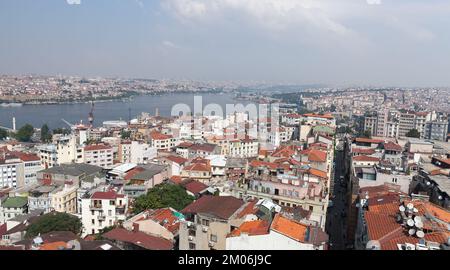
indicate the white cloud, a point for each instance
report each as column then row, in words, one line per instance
column 272, row 14
column 170, row 44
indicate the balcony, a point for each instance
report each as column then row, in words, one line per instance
column 94, row 207
column 101, row 217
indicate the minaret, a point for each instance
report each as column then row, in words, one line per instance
column 14, row 124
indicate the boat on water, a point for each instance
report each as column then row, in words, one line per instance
column 11, row 105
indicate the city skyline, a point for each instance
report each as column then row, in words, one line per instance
column 395, row 43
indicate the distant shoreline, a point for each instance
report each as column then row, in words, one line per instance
column 130, row 95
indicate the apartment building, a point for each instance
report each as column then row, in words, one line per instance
column 12, row 207
column 98, row 155
column 11, row 171
column 101, row 210
column 208, row 222
column 64, row 199
column 244, row 148
column 162, row 141
column 136, row 152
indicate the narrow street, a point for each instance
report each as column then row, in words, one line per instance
column 336, row 216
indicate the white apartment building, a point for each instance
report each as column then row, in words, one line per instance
column 66, row 148
column 245, row 148
column 162, row 142
column 101, row 210
column 48, row 155
column 98, row 155
column 31, row 165
column 11, row 171
column 136, row 152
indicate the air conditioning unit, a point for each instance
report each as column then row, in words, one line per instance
column 189, row 224
column 211, row 244
column 205, row 229
column 191, row 238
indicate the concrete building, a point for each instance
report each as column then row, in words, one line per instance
column 11, row 171
column 208, row 222
column 136, row 152
column 98, row 155
column 101, row 210
column 12, row 207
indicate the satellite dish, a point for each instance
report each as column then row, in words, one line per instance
column 417, row 219
column 420, row 234
column 415, row 210
column 402, row 208
column 410, row 223
column 428, row 183
column 412, row 232
column 440, row 197
column 410, row 206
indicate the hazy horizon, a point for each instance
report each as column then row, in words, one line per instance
column 391, row 43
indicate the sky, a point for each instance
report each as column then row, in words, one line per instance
column 335, row 42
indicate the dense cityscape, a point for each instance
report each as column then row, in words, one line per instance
column 329, row 169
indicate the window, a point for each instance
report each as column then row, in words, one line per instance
column 192, row 233
column 93, row 222
column 214, row 238
column 191, row 246
column 205, row 222
column 112, row 202
column 109, row 212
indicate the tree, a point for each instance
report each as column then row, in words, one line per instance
column 413, row 133
column 161, row 196
column 46, row 136
column 62, row 131
column 25, row 133
column 3, row 134
column 125, row 135
column 365, row 134
column 54, row 222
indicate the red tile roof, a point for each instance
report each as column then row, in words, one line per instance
column 177, row 159
column 365, row 151
column 325, row 116
column 26, row 157
column 367, row 140
column 257, row 227
column 317, row 156
column 289, row 228
column 198, row 167
column 222, row 207
column 390, row 146
column 318, row 173
column 133, row 172
column 176, row 179
column 249, row 209
column 139, row 239
column 284, row 151
column 97, row 147
column 366, row 158
column 109, row 195
column 165, row 217
column 159, row 136
column 194, row 186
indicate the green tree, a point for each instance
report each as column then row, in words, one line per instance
column 161, row 196
column 54, row 222
column 3, row 134
column 125, row 135
column 62, row 131
column 25, row 133
column 46, row 136
column 413, row 133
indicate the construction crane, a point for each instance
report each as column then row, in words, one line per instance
column 91, row 115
